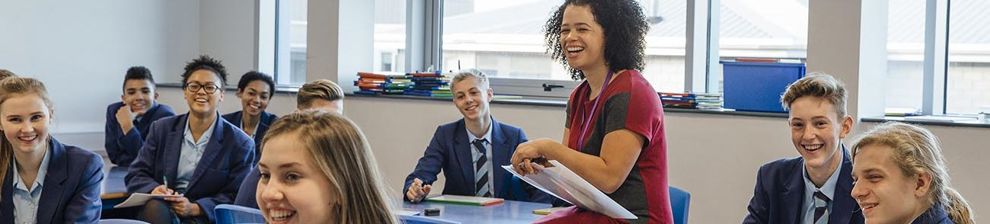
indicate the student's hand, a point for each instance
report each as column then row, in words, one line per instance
column 126, row 118
column 184, row 208
column 527, row 153
column 417, row 191
column 162, row 189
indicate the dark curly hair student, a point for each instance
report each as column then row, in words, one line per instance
column 208, row 63
column 624, row 31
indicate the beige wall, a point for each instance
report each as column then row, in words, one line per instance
column 715, row 157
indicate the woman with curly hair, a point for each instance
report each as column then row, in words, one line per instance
column 614, row 130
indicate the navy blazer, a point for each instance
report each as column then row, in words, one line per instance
column 246, row 194
column 71, row 193
column 122, row 147
column 450, row 151
column 779, row 194
column 228, row 157
column 266, row 121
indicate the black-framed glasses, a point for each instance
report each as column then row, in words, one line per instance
column 195, row 87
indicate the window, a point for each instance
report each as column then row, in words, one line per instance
column 776, row 29
column 390, row 35
column 504, row 39
column 290, row 41
column 968, row 75
column 905, row 49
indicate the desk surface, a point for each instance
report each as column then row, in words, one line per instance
column 113, row 183
column 506, row 212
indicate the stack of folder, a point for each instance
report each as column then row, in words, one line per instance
column 704, row 101
column 371, row 83
column 429, row 84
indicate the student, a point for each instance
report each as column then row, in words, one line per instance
column 319, row 94
column 319, row 168
column 255, row 90
column 49, row 182
column 614, row 129
column 4, row 73
column 900, row 177
column 197, row 156
column 477, row 140
column 812, row 188
column 128, row 120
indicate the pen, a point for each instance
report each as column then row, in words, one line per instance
column 165, row 178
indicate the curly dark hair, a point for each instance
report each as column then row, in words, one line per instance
column 252, row 76
column 205, row 62
column 625, row 29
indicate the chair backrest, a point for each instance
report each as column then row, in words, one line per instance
column 416, row 219
column 230, row 214
column 121, row 221
column 680, row 202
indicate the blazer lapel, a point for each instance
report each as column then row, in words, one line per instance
column 501, row 151
column 462, row 149
column 51, row 194
column 213, row 148
column 793, row 195
column 7, row 202
column 844, row 205
column 173, row 149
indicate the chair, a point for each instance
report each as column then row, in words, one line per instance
column 121, row 221
column 680, row 202
column 230, row 214
column 416, row 219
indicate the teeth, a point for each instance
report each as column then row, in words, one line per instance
column 27, row 138
column 813, row 147
column 575, row 49
column 280, row 214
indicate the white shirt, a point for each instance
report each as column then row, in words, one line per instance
column 192, row 152
column 26, row 199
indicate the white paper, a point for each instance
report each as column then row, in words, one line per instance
column 138, row 199
column 563, row 183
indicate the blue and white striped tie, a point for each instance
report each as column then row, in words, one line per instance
column 481, row 169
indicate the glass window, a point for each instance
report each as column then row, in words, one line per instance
column 505, row 40
column 905, row 54
column 290, row 53
column 775, row 29
column 390, row 35
column 969, row 58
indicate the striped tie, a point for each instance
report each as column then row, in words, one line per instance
column 481, row 169
column 822, row 207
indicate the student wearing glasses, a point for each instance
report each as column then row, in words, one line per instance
column 128, row 120
column 198, row 157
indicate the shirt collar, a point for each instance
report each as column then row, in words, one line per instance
column 39, row 180
column 828, row 188
column 206, row 134
column 487, row 136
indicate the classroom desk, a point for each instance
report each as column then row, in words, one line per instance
column 113, row 191
column 506, row 212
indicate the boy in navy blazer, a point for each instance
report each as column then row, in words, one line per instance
column 814, row 188
column 198, row 157
column 471, row 151
column 128, row 120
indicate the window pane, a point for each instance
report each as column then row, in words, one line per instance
column 905, row 54
column 969, row 57
column 505, row 39
column 390, row 35
column 762, row 29
column 291, row 42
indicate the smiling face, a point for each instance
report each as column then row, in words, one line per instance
column 883, row 191
column 25, row 122
column 254, row 97
column 202, row 101
column 472, row 99
column 139, row 94
column 816, row 131
column 582, row 38
column 293, row 190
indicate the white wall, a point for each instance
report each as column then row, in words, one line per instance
column 81, row 49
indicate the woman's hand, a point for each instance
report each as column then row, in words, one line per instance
column 528, row 153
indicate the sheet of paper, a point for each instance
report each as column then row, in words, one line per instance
column 138, row 199
column 563, row 183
